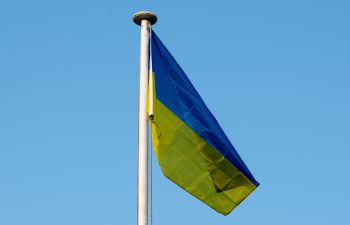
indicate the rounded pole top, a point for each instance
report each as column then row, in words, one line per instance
column 144, row 15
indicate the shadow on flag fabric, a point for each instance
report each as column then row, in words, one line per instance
column 191, row 148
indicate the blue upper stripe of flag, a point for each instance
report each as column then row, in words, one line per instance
column 175, row 91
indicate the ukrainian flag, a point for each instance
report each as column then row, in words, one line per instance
column 191, row 148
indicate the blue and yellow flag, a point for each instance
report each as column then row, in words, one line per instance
column 191, row 148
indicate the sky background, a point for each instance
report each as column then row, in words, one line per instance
column 276, row 74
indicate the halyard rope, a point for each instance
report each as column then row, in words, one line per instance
column 150, row 77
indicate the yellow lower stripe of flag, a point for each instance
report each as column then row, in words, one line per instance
column 193, row 164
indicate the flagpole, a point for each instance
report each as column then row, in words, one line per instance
column 145, row 20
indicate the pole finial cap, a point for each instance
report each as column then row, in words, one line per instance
column 144, row 15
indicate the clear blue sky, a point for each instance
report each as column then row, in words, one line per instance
column 276, row 74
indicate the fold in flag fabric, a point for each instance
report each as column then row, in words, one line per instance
column 191, row 148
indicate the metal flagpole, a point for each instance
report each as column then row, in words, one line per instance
column 145, row 20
